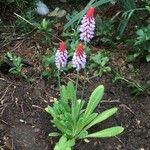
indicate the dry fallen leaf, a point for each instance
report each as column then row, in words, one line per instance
column 57, row 13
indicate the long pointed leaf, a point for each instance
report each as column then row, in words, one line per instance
column 109, row 132
column 101, row 2
column 82, row 122
column 102, row 116
column 63, row 94
column 95, row 98
column 124, row 21
column 60, row 126
column 71, row 90
column 79, row 16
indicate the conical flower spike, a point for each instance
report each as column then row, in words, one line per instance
column 79, row 58
column 87, row 26
column 61, row 56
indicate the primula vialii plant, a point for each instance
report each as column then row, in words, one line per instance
column 71, row 115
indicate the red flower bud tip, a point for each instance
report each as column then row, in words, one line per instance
column 62, row 46
column 90, row 12
column 79, row 50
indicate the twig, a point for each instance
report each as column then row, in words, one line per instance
column 3, row 121
column 5, row 93
column 35, row 26
column 125, row 106
column 111, row 101
column 24, row 19
column 120, row 141
column 37, row 107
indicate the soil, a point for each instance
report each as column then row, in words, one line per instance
column 24, row 125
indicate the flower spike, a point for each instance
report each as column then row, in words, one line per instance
column 87, row 26
column 79, row 58
column 61, row 56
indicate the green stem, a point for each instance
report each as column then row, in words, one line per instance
column 77, row 80
column 84, row 83
column 59, row 79
column 136, row 9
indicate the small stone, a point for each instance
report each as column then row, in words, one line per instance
column 141, row 149
column 57, row 13
column 148, row 82
column 130, row 66
column 36, row 130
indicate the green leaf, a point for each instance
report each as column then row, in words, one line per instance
column 109, row 132
column 9, row 55
column 53, row 134
column 80, row 104
column 63, row 94
column 90, row 118
column 108, row 69
column 148, row 58
column 133, row 56
column 140, row 32
column 64, row 144
column 50, row 110
column 102, row 116
column 101, row 2
column 84, row 121
column 60, row 126
column 148, row 8
column 124, row 21
column 57, row 107
column 71, row 90
column 74, row 103
column 48, row 60
column 79, row 16
column 94, row 100
column 104, row 61
column 82, row 134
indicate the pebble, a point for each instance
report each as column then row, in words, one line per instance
column 36, row 130
column 130, row 66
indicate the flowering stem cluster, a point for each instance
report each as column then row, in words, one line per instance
column 87, row 28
